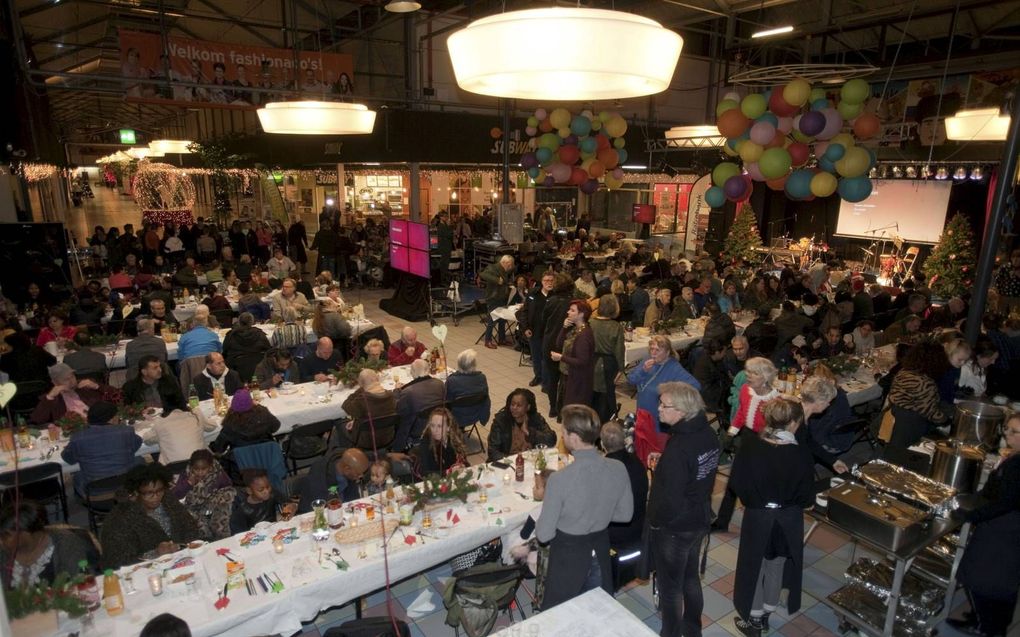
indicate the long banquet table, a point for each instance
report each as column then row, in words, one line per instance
column 312, row 581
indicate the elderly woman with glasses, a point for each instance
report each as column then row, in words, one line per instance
column 677, row 517
column 774, row 477
column 993, row 547
column 149, row 522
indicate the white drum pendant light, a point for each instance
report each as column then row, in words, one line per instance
column 979, row 125
column 317, row 118
column 161, row 147
column 564, row 54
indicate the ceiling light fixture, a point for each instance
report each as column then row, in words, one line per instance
column 487, row 55
column 316, row 118
column 699, row 136
column 173, row 146
column 980, row 125
column 766, row 33
column 402, row 6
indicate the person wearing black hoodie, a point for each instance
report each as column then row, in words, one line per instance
column 343, row 469
column 553, row 315
column 679, row 507
column 245, row 346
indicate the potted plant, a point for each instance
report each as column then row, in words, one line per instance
column 33, row 609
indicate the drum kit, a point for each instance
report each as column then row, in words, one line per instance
column 889, row 264
column 803, row 252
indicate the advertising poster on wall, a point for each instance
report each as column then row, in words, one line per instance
column 232, row 69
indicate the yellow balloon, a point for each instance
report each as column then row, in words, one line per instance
column 796, row 92
column 846, row 140
column 750, row 152
column 613, row 182
column 854, row 163
column 823, row 184
column 560, row 118
column 563, row 132
column 616, row 127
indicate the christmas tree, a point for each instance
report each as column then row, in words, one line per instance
column 950, row 266
column 743, row 238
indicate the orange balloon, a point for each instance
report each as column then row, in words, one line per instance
column 867, row 125
column 732, row 123
column 779, row 141
column 596, row 169
column 495, row 133
column 777, row 184
column 545, row 126
column 608, row 158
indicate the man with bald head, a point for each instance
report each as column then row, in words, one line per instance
column 406, row 349
column 343, row 468
column 318, row 366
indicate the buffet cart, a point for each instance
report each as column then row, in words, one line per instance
column 907, row 539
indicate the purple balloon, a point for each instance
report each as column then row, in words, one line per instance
column 548, row 181
column 833, row 123
column 528, row 160
column 570, row 140
column 735, row 187
column 589, row 186
column 812, row 123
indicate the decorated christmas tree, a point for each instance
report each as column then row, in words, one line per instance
column 950, row 266
column 743, row 237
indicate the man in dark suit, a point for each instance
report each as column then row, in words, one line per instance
column 424, row 391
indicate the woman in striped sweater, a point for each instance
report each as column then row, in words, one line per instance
column 914, row 396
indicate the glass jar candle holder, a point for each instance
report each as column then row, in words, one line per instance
column 156, row 584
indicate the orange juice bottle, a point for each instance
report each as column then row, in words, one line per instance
column 113, row 598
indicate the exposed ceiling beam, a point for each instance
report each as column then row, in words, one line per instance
column 75, row 27
column 241, row 24
column 39, row 8
column 71, row 50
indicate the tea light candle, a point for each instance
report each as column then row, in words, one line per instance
column 506, row 479
column 483, row 497
column 156, row 584
column 354, row 521
column 426, row 521
column 278, row 546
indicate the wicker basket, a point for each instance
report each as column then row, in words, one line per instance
column 366, row 531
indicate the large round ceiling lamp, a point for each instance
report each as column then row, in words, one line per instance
column 173, row 146
column 980, row 125
column 494, row 55
column 317, row 118
column 402, row 6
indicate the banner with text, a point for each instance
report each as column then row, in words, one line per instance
column 231, row 69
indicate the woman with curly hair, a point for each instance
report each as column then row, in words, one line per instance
column 914, row 396
column 518, row 426
column 441, row 447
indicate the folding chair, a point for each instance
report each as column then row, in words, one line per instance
column 385, row 431
column 100, row 498
column 264, row 455
column 459, row 405
column 862, row 428
column 306, row 442
column 43, row 483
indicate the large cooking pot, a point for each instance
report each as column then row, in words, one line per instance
column 978, row 423
column 958, row 465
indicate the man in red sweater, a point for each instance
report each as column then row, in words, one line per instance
column 407, row 349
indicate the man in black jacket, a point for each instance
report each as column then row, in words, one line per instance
column 153, row 387
column 711, row 373
column 553, row 315
column 531, row 322
column 343, row 469
column 679, row 506
column 215, row 375
column 245, row 345
column 625, row 534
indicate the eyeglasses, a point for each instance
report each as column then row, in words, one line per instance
column 663, row 405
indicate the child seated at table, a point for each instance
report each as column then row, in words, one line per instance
column 259, row 502
column 379, row 472
column 206, row 492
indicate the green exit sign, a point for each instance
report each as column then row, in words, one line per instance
column 127, row 136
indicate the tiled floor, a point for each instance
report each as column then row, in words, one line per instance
column 826, row 554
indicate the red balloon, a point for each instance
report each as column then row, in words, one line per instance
column 777, row 184
column 779, row 106
column 603, row 141
column 578, row 176
column 608, row 157
column 545, row 126
column 867, row 126
column 732, row 123
column 569, row 154
column 799, row 153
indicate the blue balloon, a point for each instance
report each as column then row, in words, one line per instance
column 834, row 152
column 767, row 94
column 746, row 134
column 580, row 125
column 826, row 165
column 768, row 117
column 715, row 197
column 589, row 145
column 544, row 156
column 732, row 143
column 854, row 189
column 820, row 104
column 533, row 171
column 571, row 140
column 622, row 154
column 874, row 158
column 798, row 184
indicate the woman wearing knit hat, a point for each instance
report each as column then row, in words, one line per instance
column 245, row 424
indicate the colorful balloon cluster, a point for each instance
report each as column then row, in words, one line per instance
column 576, row 149
column 792, row 139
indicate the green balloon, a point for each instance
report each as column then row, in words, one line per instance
column 774, row 163
column 619, row 142
column 848, row 110
column 855, row 91
column 533, row 121
column 754, row 105
column 816, row 94
column 724, row 106
column 550, row 141
column 724, row 171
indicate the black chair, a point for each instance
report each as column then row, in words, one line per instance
column 862, row 428
column 473, row 588
column 43, row 483
column 177, row 468
column 369, row 627
column 306, row 442
column 459, row 404
column 482, row 310
column 385, row 431
column 25, row 401
column 225, row 317
column 625, row 560
column 378, row 332
column 101, row 497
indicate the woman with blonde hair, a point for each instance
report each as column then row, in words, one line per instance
column 375, row 351
column 441, row 448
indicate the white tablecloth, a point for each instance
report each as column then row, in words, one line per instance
column 636, row 350
column 594, row 614
column 311, row 587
